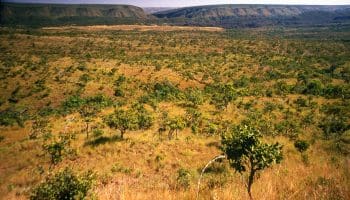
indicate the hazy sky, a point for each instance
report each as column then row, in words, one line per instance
column 182, row 3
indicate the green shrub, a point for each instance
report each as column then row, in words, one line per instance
column 64, row 185
column 166, row 91
column 12, row 116
column 301, row 145
column 183, row 178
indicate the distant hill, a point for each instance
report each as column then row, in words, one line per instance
column 47, row 14
column 152, row 10
column 227, row 16
column 256, row 15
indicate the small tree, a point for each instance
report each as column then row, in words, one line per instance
column 223, row 95
column 246, row 153
column 57, row 148
column 87, row 112
column 175, row 124
column 122, row 120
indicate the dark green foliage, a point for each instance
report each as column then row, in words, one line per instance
column 46, row 111
column 74, row 103
column 85, row 78
column 333, row 126
column 194, row 96
column 301, row 145
column 166, row 91
column 246, row 153
column 222, row 94
column 64, row 185
column 337, row 91
column 301, row 102
column 243, row 81
column 314, row 87
column 288, row 128
column 335, row 121
column 12, row 116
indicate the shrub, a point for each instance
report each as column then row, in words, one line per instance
column 12, row 116
column 166, row 91
column 333, row 126
column 64, row 185
column 222, row 94
column 183, row 178
column 195, row 97
column 314, row 87
column 301, row 145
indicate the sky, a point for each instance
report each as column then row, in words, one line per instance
column 184, row 3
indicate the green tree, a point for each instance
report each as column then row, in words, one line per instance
column 175, row 124
column 223, row 94
column 58, row 148
column 122, row 120
column 246, row 153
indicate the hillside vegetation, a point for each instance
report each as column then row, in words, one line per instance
column 227, row 16
column 115, row 113
column 257, row 15
column 50, row 14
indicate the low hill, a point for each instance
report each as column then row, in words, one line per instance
column 256, row 15
column 157, row 9
column 49, row 14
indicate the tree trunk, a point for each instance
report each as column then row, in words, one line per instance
column 87, row 129
column 170, row 134
column 122, row 134
column 250, row 182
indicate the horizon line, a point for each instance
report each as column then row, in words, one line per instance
column 48, row 3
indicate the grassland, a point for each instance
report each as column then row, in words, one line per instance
column 289, row 83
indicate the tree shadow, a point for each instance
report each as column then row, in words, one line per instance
column 102, row 140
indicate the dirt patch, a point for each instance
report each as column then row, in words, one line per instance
column 137, row 27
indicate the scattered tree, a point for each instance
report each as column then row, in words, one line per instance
column 246, row 153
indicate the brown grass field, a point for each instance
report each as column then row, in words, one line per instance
column 144, row 165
